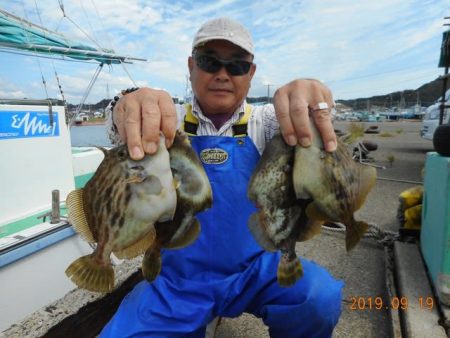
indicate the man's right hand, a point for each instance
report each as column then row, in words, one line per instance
column 140, row 116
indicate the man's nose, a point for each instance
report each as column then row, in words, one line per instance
column 222, row 74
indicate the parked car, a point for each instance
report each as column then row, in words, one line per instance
column 431, row 118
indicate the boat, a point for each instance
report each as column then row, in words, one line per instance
column 80, row 118
column 35, row 236
column 39, row 168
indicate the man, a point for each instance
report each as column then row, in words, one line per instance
column 225, row 272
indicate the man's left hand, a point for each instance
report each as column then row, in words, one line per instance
column 293, row 103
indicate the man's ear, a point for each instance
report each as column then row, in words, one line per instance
column 252, row 70
column 190, row 64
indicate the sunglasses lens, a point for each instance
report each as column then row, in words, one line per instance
column 238, row 67
column 210, row 64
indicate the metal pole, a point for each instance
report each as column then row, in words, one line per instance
column 56, row 214
column 88, row 90
column 444, row 90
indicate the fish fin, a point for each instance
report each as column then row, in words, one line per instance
column 259, row 232
column 135, row 179
column 88, row 274
column 102, row 149
column 176, row 183
column 368, row 178
column 188, row 237
column 314, row 213
column 289, row 272
column 311, row 229
column 151, row 263
column 355, row 231
column 77, row 216
column 138, row 247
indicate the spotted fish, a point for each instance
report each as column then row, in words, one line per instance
column 297, row 189
column 280, row 220
column 123, row 205
column 194, row 194
column 336, row 184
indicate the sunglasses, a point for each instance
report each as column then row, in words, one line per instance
column 212, row 64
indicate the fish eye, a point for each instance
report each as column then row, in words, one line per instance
column 137, row 167
column 123, row 153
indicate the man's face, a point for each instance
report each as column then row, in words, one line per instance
column 220, row 92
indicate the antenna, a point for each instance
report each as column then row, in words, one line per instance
column 268, row 84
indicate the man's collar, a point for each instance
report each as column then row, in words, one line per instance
column 197, row 111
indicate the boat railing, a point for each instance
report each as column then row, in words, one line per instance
column 32, row 102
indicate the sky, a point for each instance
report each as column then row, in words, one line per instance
column 357, row 48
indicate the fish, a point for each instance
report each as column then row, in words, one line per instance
column 337, row 185
column 194, row 194
column 280, row 220
column 117, row 210
column 296, row 189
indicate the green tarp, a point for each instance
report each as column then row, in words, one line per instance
column 444, row 60
column 20, row 34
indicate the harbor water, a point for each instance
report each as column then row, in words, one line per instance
column 90, row 135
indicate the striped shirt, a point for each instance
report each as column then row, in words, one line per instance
column 262, row 124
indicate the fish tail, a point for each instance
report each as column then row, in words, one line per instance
column 355, row 231
column 289, row 271
column 151, row 264
column 88, row 274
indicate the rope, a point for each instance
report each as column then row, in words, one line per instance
column 88, row 90
column 398, row 180
column 126, row 71
column 59, row 85
column 61, row 5
column 43, row 80
column 109, row 40
column 383, row 237
column 89, row 22
column 35, row 52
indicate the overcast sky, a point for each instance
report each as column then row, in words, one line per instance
column 358, row 48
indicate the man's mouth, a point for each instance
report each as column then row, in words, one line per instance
column 221, row 90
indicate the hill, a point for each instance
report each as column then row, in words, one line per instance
column 427, row 94
column 99, row 106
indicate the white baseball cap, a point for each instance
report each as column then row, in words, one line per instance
column 224, row 29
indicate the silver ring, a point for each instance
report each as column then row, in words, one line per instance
column 319, row 106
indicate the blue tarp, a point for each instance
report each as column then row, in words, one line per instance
column 20, row 34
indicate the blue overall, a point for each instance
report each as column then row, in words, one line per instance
column 225, row 272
